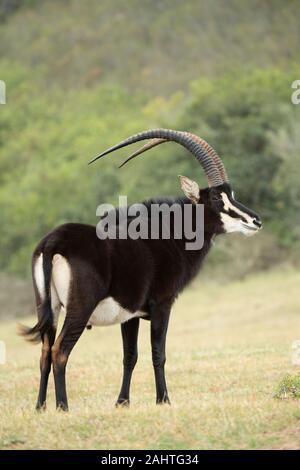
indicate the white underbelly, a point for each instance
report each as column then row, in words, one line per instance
column 109, row 312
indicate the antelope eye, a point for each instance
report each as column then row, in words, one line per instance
column 216, row 198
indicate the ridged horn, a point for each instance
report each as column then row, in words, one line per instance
column 211, row 151
column 200, row 153
column 147, row 146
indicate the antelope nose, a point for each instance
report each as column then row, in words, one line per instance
column 257, row 222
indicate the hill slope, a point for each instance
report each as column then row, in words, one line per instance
column 154, row 45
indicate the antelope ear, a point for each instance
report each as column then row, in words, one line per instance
column 190, row 188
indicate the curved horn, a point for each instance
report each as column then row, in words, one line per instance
column 207, row 162
column 148, row 146
column 211, row 151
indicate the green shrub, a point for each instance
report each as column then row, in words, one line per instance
column 289, row 387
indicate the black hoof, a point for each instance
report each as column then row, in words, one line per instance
column 163, row 401
column 40, row 407
column 122, row 403
column 62, row 407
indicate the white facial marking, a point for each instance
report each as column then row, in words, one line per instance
column 110, row 312
column 235, row 225
column 61, row 278
column 39, row 276
column 232, row 224
column 228, row 205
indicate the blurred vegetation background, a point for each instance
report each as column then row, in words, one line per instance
column 81, row 76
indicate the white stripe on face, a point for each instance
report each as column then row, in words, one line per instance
column 229, row 206
column 232, row 224
column 244, row 223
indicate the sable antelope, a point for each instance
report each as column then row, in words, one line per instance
column 107, row 281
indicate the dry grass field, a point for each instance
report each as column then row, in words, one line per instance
column 228, row 348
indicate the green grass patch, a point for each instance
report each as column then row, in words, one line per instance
column 289, row 387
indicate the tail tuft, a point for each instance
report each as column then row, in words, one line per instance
column 44, row 325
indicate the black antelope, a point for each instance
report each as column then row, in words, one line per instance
column 108, row 281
